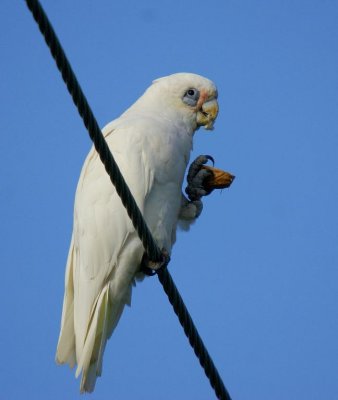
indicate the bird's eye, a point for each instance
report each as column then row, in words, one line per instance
column 191, row 97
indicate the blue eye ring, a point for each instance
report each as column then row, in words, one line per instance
column 191, row 97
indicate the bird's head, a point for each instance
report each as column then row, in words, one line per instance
column 185, row 97
column 192, row 95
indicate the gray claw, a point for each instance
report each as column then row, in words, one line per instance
column 196, row 177
column 210, row 158
column 196, row 165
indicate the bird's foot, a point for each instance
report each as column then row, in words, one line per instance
column 196, row 178
column 149, row 267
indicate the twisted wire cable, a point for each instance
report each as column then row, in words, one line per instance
column 151, row 248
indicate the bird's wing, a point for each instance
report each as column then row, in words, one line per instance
column 105, row 250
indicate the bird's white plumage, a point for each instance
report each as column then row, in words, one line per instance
column 151, row 143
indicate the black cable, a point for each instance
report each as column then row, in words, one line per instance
column 192, row 334
column 151, row 248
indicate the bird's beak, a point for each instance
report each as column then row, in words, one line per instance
column 207, row 114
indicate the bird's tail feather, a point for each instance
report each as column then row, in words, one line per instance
column 65, row 352
column 105, row 317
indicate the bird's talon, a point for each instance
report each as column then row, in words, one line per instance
column 210, row 158
column 197, row 176
column 150, row 268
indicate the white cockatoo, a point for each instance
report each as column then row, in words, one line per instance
column 151, row 143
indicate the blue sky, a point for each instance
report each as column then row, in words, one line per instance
column 258, row 272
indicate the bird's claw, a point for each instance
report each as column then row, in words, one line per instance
column 196, row 177
column 150, row 268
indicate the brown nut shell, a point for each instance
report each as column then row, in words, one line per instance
column 218, row 180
